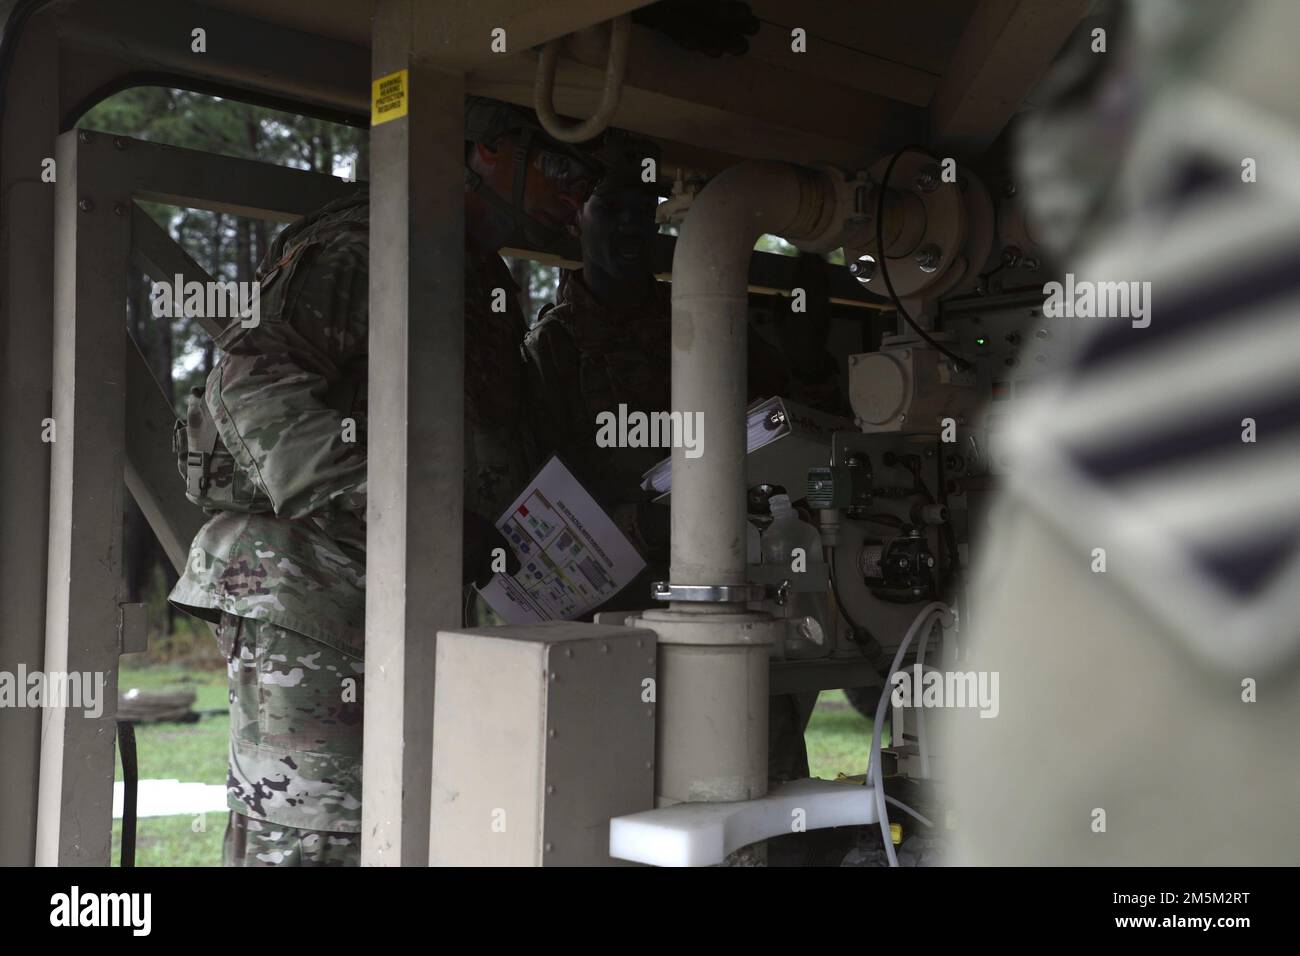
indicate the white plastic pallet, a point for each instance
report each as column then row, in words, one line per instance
column 702, row 834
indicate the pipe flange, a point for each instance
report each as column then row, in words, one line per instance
column 714, row 593
column 943, row 212
column 701, row 627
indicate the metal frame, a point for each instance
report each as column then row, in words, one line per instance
column 417, row 362
column 30, row 123
column 74, row 804
column 415, row 497
column 98, row 376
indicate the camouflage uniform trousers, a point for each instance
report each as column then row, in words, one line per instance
column 251, row 842
column 294, row 774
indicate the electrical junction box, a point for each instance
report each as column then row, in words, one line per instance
column 541, row 734
column 909, row 388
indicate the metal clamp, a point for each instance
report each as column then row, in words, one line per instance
column 718, row 593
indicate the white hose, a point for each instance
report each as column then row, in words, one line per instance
column 906, row 809
column 615, row 67
column 932, row 612
column 920, row 711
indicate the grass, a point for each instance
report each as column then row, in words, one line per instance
column 190, row 753
column 174, row 841
column 838, row 737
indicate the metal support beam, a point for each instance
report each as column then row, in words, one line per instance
column 151, row 474
column 663, row 109
column 91, row 250
column 1006, row 47
column 30, row 123
column 237, row 187
column 161, row 258
column 459, row 36
column 416, row 452
column 263, row 58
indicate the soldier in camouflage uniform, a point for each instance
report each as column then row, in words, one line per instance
column 606, row 341
column 276, row 453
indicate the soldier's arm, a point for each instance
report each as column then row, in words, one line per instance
column 563, row 425
column 268, row 394
column 556, row 403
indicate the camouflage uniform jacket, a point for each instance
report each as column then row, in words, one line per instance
column 280, row 396
column 585, row 358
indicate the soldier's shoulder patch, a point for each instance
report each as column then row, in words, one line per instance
column 1174, row 450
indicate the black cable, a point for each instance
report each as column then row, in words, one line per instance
column 959, row 362
column 913, row 464
column 130, row 785
column 863, row 639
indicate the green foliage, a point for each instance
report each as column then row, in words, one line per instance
column 776, row 244
column 543, row 281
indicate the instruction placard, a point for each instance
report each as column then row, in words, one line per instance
column 572, row 556
column 388, row 98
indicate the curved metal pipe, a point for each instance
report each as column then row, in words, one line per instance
column 615, row 67
column 711, row 720
column 710, row 329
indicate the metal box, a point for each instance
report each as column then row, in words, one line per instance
column 541, row 734
column 909, row 388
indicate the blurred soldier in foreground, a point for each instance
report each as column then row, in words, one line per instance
column 1149, row 712
column 277, row 454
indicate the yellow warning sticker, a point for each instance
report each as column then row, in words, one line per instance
column 388, row 98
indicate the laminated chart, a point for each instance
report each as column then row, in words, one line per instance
column 572, row 556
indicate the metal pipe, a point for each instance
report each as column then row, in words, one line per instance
column 710, row 328
column 712, row 724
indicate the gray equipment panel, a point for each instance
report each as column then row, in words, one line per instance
column 541, row 734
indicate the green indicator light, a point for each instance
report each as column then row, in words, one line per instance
column 981, row 342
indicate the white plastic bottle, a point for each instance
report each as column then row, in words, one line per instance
column 804, row 612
